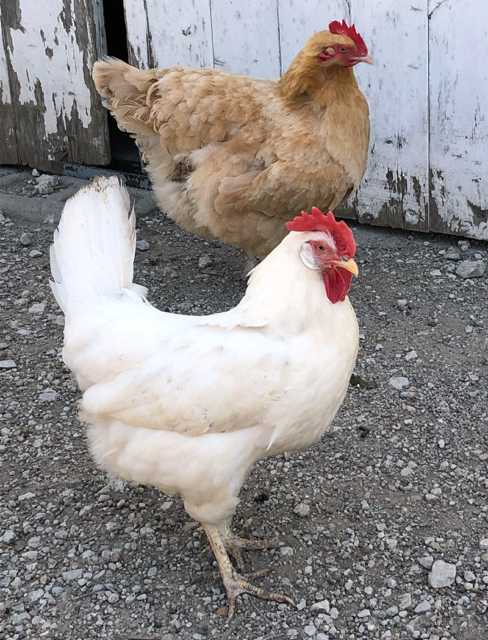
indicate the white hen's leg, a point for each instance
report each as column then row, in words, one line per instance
column 234, row 583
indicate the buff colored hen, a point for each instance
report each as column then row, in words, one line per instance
column 232, row 157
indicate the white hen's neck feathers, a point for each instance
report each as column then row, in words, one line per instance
column 283, row 294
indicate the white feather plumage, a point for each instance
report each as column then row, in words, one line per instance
column 188, row 403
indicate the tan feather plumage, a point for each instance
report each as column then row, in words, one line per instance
column 231, row 157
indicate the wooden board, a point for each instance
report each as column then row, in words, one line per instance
column 8, row 137
column 394, row 190
column 245, row 37
column 459, row 117
column 164, row 34
column 299, row 19
column 49, row 53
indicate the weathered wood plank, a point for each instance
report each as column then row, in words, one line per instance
column 245, row 37
column 394, row 190
column 166, row 34
column 458, row 33
column 299, row 19
column 8, row 137
column 49, row 56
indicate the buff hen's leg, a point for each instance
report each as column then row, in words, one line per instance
column 234, row 583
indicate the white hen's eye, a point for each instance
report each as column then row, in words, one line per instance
column 321, row 247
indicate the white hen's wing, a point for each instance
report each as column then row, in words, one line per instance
column 163, row 371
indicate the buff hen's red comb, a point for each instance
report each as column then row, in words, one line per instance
column 317, row 221
column 341, row 29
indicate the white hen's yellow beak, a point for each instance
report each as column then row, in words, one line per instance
column 349, row 265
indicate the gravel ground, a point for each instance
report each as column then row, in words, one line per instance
column 385, row 521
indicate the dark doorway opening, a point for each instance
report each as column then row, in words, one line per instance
column 125, row 155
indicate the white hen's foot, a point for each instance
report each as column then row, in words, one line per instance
column 235, row 545
column 234, row 583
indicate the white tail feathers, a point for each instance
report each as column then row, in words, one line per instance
column 94, row 245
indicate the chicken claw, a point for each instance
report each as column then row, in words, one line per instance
column 234, row 545
column 234, row 583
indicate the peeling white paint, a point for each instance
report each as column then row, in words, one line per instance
column 459, row 116
column 61, row 75
column 396, row 89
column 4, row 81
column 172, row 33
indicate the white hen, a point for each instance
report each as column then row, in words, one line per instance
column 187, row 403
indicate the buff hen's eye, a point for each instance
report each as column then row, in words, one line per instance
column 320, row 247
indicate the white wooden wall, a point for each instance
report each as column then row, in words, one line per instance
column 428, row 90
column 49, row 108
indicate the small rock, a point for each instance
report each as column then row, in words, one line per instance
column 35, row 253
column 45, row 184
column 391, row 612
column 74, row 574
column 286, row 551
column 113, row 598
column 142, row 245
column 398, row 382
column 25, row 239
column 36, row 595
column 469, row 576
column 402, row 304
column 436, row 273
column 48, row 396
column 452, row 254
column 205, row 261
column 26, row 496
column 442, row 574
column 323, row 605
column 468, row 329
column 411, row 355
column 7, row 364
column 310, row 630
column 334, row 614
column 484, row 543
column 426, row 561
column 35, row 173
column 423, row 607
column 365, row 613
column 37, row 308
column 9, row 537
column 441, row 444
column 464, row 244
column 471, row 269
column 302, row 509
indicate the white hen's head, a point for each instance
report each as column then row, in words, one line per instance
column 329, row 248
